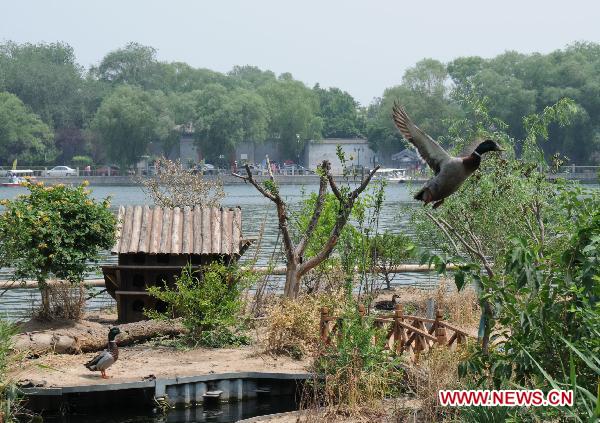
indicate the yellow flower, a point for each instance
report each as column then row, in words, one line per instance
column 85, row 183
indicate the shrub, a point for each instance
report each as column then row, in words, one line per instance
column 55, row 231
column 548, row 310
column 293, row 325
column 389, row 250
column 208, row 302
column 357, row 372
column 8, row 397
column 175, row 186
column 437, row 370
column 67, row 301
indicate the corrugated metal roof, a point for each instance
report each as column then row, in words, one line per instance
column 198, row 230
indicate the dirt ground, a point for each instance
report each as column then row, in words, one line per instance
column 142, row 361
column 147, row 360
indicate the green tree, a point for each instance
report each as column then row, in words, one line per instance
column 339, row 112
column 389, row 250
column 226, row 118
column 252, row 76
column 125, row 123
column 133, row 64
column 23, row 135
column 47, row 78
column 54, row 231
column 293, row 114
column 425, row 94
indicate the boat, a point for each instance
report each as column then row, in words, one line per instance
column 18, row 177
column 395, row 175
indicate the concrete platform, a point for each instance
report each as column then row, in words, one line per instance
column 179, row 391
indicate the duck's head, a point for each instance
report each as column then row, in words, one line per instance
column 112, row 333
column 395, row 298
column 487, row 146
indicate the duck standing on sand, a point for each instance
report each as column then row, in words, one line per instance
column 107, row 357
column 450, row 172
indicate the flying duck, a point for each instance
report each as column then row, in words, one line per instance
column 106, row 358
column 450, row 172
column 387, row 304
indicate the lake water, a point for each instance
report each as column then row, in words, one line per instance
column 258, row 216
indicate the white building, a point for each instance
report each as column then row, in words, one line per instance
column 357, row 153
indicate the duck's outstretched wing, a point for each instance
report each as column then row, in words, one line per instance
column 426, row 146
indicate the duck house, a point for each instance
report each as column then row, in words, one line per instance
column 154, row 244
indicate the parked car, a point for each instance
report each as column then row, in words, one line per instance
column 204, row 169
column 295, row 169
column 61, row 171
column 107, row 170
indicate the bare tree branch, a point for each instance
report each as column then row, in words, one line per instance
column 346, row 205
column 256, row 185
column 315, row 217
column 364, row 183
column 443, row 229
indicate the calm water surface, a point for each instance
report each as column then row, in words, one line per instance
column 258, row 216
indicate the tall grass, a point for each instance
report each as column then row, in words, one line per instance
column 355, row 373
column 8, row 395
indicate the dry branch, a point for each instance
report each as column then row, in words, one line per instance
column 296, row 267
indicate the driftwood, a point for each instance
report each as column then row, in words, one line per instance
column 85, row 336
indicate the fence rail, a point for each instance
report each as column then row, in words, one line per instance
column 404, row 333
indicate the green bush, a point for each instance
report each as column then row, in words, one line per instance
column 357, row 372
column 548, row 312
column 54, row 231
column 389, row 250
column 209, row 304
column 8, row 397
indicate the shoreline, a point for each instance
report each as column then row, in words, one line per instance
column 228, row 179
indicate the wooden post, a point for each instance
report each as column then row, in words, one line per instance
column 361, row 310
column 440, row 331
column 417, row 347
column 398, row 330
column 324, row 325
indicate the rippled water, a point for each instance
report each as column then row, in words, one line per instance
column 258, row 215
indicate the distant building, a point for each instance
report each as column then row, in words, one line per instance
column 407, row 159
column 357, row 152
column 252, row 152
column 189, row 152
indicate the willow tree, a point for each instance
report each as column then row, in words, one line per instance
column 296, row 265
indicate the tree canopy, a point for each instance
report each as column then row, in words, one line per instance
column 23, row 135
column 249, row 104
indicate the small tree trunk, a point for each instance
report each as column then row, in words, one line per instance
column 45, row 294
column 292, row 281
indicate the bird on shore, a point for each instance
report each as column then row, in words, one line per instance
column 387, row 304
column 106, row 358
column 450, row 172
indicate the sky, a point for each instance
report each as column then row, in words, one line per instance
column 361, row 47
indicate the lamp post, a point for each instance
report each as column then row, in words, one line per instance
column 357, row 150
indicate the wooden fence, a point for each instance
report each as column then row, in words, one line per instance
column 404, row 333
